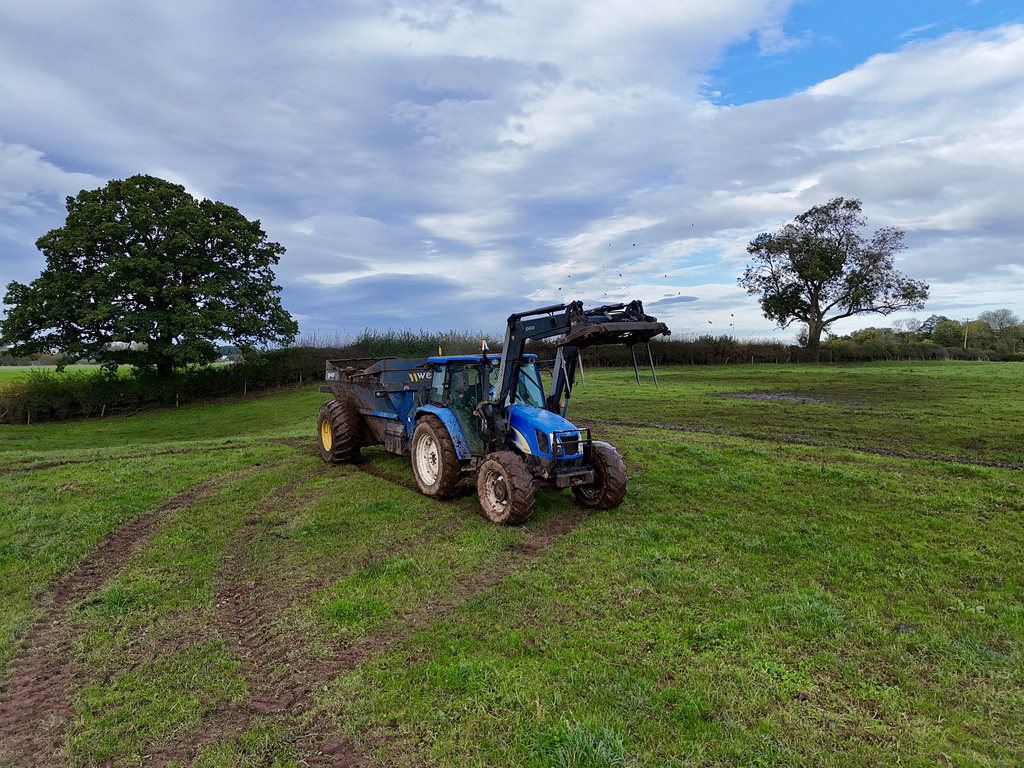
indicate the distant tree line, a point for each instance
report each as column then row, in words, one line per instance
column 996, row 335
column 45, row 395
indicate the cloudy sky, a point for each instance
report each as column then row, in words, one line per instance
column 442, row 163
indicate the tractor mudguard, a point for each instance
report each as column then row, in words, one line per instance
column 451, row 424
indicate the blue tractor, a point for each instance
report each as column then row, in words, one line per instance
column 496, row 420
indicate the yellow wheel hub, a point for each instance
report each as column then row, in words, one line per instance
column 326, row 438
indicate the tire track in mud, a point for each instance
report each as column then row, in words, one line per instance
column 283, row 678
column 35, row 697
column 227, row 446
column 382, row 473
column 244, row 618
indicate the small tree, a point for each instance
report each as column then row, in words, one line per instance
column 928, row 326
column 979, row 335
column 908, row 329
column 143, row 274
column 1000, row 320
column 820, row 268
column 949, row 333
column 1007, row 329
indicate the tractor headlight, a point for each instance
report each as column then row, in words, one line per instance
column 543, row 442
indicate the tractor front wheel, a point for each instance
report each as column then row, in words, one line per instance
column 435, row 464
column 505, row 488
column 609, row 486
column 338, row 432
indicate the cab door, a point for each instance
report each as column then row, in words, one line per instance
column 463, row 393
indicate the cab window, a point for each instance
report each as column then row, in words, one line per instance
column 528, row 389
column 437, row 386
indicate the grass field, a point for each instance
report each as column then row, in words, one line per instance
column 8, row 372
column 814, row 566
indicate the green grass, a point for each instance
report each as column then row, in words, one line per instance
column 11, row 372
column 740, row 609
column 776, row 590
column 950, row 410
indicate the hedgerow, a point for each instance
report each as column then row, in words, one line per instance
column 44, row 395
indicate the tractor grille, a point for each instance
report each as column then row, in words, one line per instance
column 567, row 444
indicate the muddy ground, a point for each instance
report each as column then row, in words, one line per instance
column 36, row 696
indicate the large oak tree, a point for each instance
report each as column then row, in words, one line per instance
column 144, row 274
column 821, row 267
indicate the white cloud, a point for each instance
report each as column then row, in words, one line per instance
column 935, row 72
column 511, row 149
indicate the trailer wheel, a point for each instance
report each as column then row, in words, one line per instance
column 609, row 486
column 435, row 463
column 338, row 432
column 505, row 488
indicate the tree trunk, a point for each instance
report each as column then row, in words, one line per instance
column 164, row 363
column 814, row 329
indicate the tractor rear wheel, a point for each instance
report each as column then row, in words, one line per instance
column 338, row 432
column 505, row 488
column 609, row 486
column 435, row 464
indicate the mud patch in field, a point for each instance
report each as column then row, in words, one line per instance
column 792, row 397
column 301, row 444
column 785, row 397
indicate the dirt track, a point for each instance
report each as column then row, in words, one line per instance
column 36, row 697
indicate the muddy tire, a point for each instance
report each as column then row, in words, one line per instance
column 609, row 486
column 338, row 432
column 435, row 463
column 505, row 488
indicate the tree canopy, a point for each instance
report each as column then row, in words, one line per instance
column 1000, row 320
column 821, row 268
column 144, row 274
column 949, row 333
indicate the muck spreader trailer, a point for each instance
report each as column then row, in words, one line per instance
column 488, row 419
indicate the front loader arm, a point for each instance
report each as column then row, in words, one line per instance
column 610, row 324
column 542, row 323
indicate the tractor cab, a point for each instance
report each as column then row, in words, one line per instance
column 459, row 383
column 463, row 383
column 459, row 380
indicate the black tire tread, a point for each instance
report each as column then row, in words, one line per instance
column 451, row 469
column 519, row 482
column 609, row 487
column 346, row 433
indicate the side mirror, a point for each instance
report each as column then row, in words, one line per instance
column 460, row 382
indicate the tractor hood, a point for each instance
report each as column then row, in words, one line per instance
column 558, row 437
